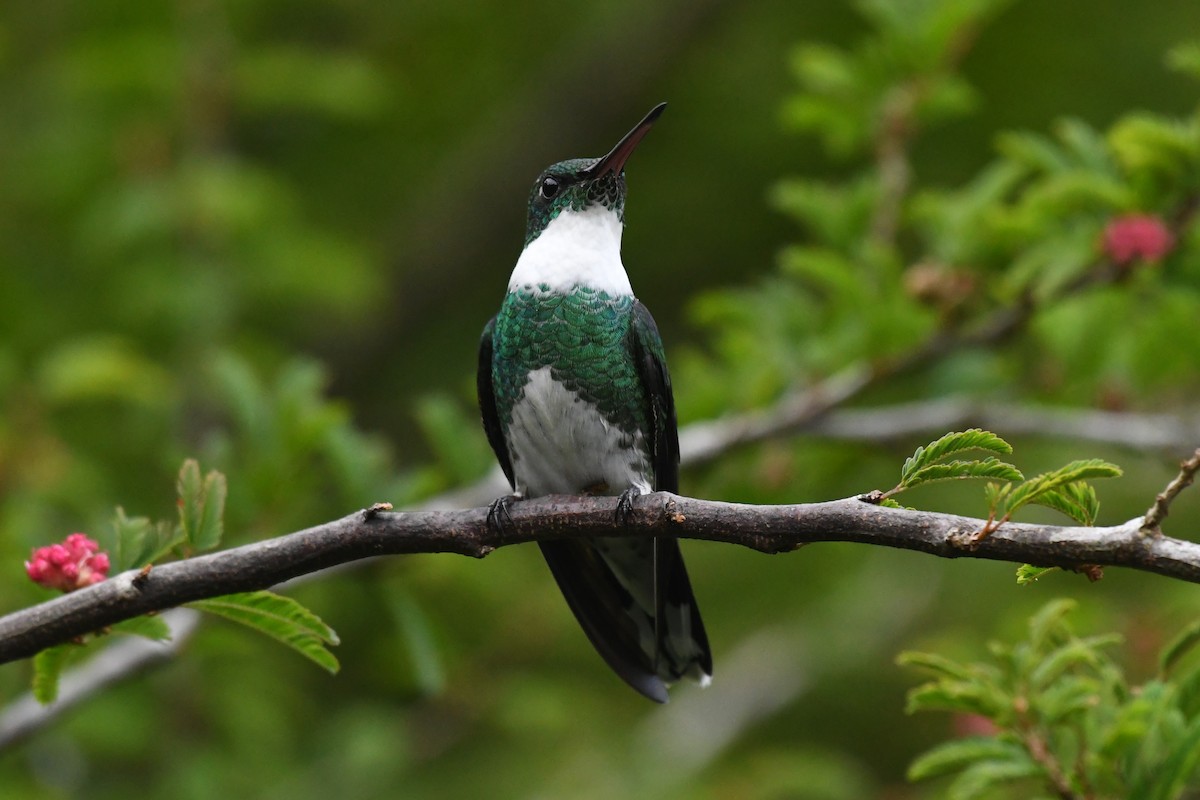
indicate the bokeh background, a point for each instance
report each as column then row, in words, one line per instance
column 267, row 235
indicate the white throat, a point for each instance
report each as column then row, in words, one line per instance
column 577, row 248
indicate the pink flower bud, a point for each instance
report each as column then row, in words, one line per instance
column 75, row 563
column 1137, row 237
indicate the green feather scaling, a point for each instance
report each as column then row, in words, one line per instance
column 581, row 336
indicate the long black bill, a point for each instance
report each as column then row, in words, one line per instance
column 614, row 162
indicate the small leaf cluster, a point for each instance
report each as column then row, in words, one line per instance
column 1064, row 489
column 139, row 541
column 1064, row 720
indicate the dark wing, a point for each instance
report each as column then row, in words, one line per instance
column 487, row 402
column 673, row 591
column 663, row 436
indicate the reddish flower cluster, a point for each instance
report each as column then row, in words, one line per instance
column 1137, row 237
column 74, row 564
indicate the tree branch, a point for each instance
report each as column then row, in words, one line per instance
column 769, row 529
column 1162, row 503
column 698, row 442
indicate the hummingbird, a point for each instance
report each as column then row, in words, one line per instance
column 576, row 399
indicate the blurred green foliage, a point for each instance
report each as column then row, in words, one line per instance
column 1055, row 714
column 266, row 235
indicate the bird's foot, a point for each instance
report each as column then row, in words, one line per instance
column 625, row 503
column 499, row 518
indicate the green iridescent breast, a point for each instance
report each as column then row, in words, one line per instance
column 581, row 337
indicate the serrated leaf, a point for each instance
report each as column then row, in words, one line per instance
column 1178, row 647
column 201, row 506
column 970, row 696
column 281, row 618
column 211, row 526
column 1032, row 489
column 1028, row 573
column 191, row 497
column 989, row 467
column 949, row 444
column 47, row 668
column 140, row 541
column 1077, row 500
column 961, row 753
column 151, row 627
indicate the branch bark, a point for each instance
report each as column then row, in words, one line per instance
column 769, row 529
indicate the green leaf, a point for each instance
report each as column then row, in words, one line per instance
column 191, row 498
column 969, row 696
column 1074, row 652
column 989, row 467
column 201, row 506
column 151, row 627
column 281, row 618
column 960, row 753
column 935, row 663
column 140, row 541
column 47, row 667
column 996, row 494
column 1028, row 573
column 1077, row 500
column 1178, row 647
column 977, row 779
column 1068, row 698
column 212, row 524
column 1034, row 488
column 951, row 443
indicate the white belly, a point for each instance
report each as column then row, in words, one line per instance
column 560, row 444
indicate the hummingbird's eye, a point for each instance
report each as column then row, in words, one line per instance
column 549, row 188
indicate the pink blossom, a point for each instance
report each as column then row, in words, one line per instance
column 74, row 564
column 1137, row 237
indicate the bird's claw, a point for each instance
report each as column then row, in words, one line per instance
column 625, row 503
column 499, row 518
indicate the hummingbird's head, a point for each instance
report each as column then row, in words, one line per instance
column 582, row 183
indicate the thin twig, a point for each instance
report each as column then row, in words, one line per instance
column 1162, row 502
